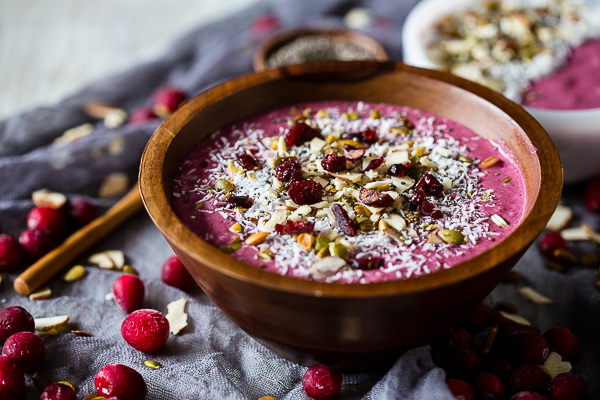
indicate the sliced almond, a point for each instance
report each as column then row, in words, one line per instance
column 534, row 296
column 103, row 260
column 515, row 318
column 81, row 333
column 117, row 256
column 73, row 134
column 98, row 110
column 498, row 220
column 434, row 238
column 350, row 177
column 113, row 185
column 575, row 234
column 560, row 219
column 50, row 323
column 326, row 266
column 397, row 157
column 554, row 365
column 403, row 183
column 595, row 236
column 48, row 198
column 115, row 118
column 396, row 222
column 45, row 293
column 176, row 316
column 256, row 238
column 393, row 235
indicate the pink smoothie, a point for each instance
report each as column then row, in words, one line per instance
column 575, row 86
column 451, row 153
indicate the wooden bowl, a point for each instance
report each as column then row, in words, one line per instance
column 352, row 326
column 279, row 39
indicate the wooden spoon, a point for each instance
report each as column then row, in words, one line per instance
column 52, row 263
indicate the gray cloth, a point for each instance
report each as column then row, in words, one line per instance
column 212, row 358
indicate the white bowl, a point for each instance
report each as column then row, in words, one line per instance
column 575, row 132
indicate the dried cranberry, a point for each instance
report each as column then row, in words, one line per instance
column 240, row 201
column 366, row 136
column 302, row 226
column 489, row 386
column 567, row 386
column 417, row 199
column 551, row 242
column 398, row 169
column 333, row 163
column 10, row 252
column 430, row 185
column 322, row 382
column 374, row 198
column 427, row 208
column 367, row 262
column 563, row 342
column 592, row 196
column 279, row 228
column 355, row 154
column 306, row 192
column 374, row 164
column 527, row 377
column 464, row 364
column 248, row 162
column 528, row 396
column 37, row 242
column 300, row 133
column 460, row 389
column 289, row 172
column 527, row 347
column 348, row 226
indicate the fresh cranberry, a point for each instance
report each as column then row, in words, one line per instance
column 322, row 382
column 120, row 381
column 240, row 201
column 528, row 347
column 347, row 225
column 398, row 169
column 551, row 242
column 27, row 349
column 430, row 185
column 82, row 212
column 14, row 319
column 265, row 24
column 367, row 262
column 306, row 192
column 128, row 292
column 300, row 133
column 592, row 196
column 373, row 198
column 528, row 396
column 355, row 154
column 458, row 339
column 58, row 391
column 489, row 386
column 498, row 363
column 167, row 99
column 460, row 389
column 296, row 227
column 527, row 377
column 248, row 162
column 47, row 218
column 142, row 115
column 480, row 317
column 374, row 164
column 464, row 364
column 12, row 380
column 10, row 252
column 333, row 163
column 563, row 342
column 174, row 273
column 145, row 330
column 567, row 386
column 289, row 172
column 37, row 243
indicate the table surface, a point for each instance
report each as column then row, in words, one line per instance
column 49, row 49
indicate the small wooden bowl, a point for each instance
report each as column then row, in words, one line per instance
column 275, row 42
column 353, row 326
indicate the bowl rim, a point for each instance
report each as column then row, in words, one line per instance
column 178, row 235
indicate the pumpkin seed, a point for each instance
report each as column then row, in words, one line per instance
column 451, row 236
column 153, row 364
column 128, row 269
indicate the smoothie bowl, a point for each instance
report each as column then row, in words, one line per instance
column 340, row 212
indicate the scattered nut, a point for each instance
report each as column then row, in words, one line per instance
column 489, row 340
column 534, row 296
column 560, row 219
column 75, row 273
column 81, row 333
column 306, row 240
column 498, row 220
column 73, row 134
column 113, row 185
column 451, row 236
column 512, row 276
column 256, row 238
column 153, row 364
column 48, row 198
column 128, row 269
column 49, row 323
column 489, row 162
column 326, row 266
column 554, row 365
column 109, row 259
column 515, row 318
column 224, row 185
column 236, row 228
column 69, row 384
column 41, row 294
column 176, row 316
column 115, row 118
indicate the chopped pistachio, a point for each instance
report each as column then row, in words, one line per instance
column 199, row 206
column 322, row 242
column 321, row 114
column 338, row 250
column 375, row 114
column 235, row 228
column 224, row 185
column 350, row 116
column 507, row 179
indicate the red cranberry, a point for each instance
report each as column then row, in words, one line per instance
column 567, row 386
column 12, row 380
column 306, row 192
column 247, row 161
column 551, row 242
column 355, row 154
column 14, row 319
column 498, row 363
column 527, row 377
column 37, row 243
column 120, row 381
column 289, row 172
column 240, row 201
column 367, row 262
column 47, row 218
column 489, row 386
column 347, row 225
column 58, row 391
column 322, row 382
column 417, row 199
column 374, row 198
column 82, row 211
column 528, row 347
column 27, row 349
column 430, row 185
column 300, row 133
column 480, row 317
column 10, row 252
column 398, row 169
column 265, row 24
column 460, row 389
column 333, row 163
column 297, row 227
column 368, row 136
column 145, row 330
column 528, row 396
column 427, row 208
column 173, row 273
column 141, row 115
column 128, row 291
column 562, row 341
column 167, row 99
column 592, row 196
column 374, row 164
column 459, row 339
column 464, row 364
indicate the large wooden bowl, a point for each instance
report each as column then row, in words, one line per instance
column 352, row 326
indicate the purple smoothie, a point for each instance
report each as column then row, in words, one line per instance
column 576, row 86
column 446, row 150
